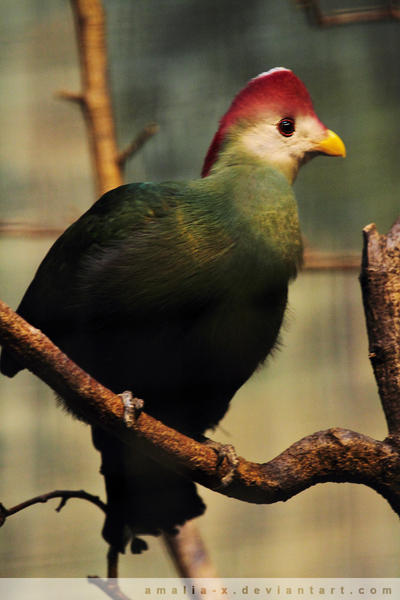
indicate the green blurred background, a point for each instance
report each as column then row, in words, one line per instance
column 179, row 62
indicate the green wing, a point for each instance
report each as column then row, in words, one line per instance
column 135, row 251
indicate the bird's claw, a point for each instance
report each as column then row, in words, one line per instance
column 228, row 452
column 132, row 407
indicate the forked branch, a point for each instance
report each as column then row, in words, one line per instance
column 336, row 455
column 95, row 98
column 63, row 495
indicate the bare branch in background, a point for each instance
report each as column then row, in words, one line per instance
column 389, row 10
column 189, row 552
column 109, row 586
column 95, row 98
column 138, row 143
column 315, row 260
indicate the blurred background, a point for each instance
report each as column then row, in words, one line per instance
column 179, row 63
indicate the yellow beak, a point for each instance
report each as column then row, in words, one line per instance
column 332, row 145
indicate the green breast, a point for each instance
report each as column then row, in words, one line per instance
column 254, row 206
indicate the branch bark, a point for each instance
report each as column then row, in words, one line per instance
column 189, row 552
column 337, row 455
column 95, row 98
column 380, row 284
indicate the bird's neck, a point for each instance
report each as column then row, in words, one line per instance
column 256, row 202
column 255, row 187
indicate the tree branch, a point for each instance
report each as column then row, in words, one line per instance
column 139, row 141
column 95, row 98
column 347, row 17
column 109, row 586
column 337, row 455
column 380, row 284
column 189, row 553
column 65, row 495
column 317, row 260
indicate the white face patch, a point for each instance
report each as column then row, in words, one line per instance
column 287, row 153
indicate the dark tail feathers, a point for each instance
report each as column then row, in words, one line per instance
column 143, row 497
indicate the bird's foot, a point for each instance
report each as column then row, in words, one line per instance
column 132, row 407
column 228, row 452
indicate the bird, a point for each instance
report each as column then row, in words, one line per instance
column 177, row 291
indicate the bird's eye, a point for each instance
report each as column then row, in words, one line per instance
column 286, row 127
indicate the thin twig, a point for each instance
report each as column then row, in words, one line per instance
column 112, row 563
column 65, row 495
column 109, row 587
column 139, row 141
column 71, row 96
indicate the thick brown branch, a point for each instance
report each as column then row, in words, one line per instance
column 95, row 98
column 380, row 283
column 333, row 455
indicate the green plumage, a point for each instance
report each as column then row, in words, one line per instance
column 175, row 291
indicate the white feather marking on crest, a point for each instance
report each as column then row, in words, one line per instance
column 273, row 70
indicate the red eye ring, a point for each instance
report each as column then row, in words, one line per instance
column 286, row 126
